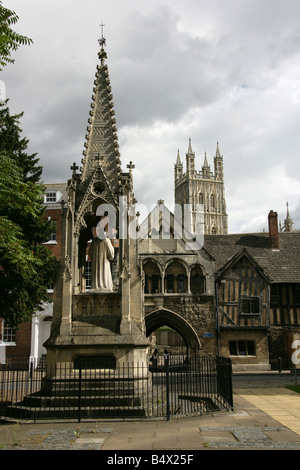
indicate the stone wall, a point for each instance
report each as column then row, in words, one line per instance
column 197, row 311
column 257, row 361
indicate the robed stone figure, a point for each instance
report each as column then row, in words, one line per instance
column 101, row 252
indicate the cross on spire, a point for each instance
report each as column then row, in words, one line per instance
column 102, row 40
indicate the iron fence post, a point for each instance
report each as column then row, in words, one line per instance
column 168, row 388
column 79, row 394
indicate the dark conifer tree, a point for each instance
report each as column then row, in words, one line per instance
column 27, row 267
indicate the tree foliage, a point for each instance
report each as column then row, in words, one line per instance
column 9, row 39
column 15, row 146
column 27, row 267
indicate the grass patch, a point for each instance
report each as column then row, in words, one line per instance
column 294, row 388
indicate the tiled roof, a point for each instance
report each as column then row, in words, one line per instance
column 282, row 265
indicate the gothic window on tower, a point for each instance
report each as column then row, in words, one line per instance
column 201, row 199
column 212, row 202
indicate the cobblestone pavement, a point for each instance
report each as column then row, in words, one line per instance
column 74, row 438
column 243, row 437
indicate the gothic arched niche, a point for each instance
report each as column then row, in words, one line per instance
column 153, row 277
column 176, row 277
column 197, row 280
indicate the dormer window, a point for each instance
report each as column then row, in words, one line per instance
column 51, row 196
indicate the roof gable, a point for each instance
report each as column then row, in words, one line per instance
column 236, row 259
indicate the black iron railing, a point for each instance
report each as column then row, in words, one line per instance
column 180, row 387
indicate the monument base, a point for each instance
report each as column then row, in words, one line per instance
column 98, row 333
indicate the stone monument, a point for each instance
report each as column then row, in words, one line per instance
column 101, row 322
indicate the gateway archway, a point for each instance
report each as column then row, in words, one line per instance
column 162, row 317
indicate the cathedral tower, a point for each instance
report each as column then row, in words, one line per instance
column 205, row 188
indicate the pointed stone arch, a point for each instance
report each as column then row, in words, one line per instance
column 176, row 275
column 153, row 276
column 163, row 317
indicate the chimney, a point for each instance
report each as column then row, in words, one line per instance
column 273, row 230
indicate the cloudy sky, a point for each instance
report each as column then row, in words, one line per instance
column 224, row 71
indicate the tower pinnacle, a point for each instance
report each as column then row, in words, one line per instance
column 288, row 222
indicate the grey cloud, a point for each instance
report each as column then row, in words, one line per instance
column 166, row 59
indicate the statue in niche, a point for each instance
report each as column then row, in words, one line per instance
column 101, row 253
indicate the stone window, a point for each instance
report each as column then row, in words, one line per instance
column 241, row 348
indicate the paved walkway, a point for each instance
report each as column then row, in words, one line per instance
column 266, row 416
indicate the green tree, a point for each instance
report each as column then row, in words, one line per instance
column 9, row 39
column 15, row 146
column 27, row 267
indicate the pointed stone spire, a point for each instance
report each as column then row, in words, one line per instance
column 178, row 161
column 190, row 159
column 218, row 162
column 190, row 150
column 102, row 148
column 205, row 167
column 205, row 161
column 178, row 167
column 288, row 222
column 218, row 154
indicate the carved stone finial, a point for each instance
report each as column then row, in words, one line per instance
column 131, row 166
column 74, row 168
